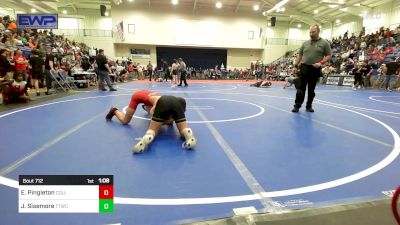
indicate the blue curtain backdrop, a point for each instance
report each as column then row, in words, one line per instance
column 194, row 57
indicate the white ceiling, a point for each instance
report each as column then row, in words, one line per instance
column 295, row 10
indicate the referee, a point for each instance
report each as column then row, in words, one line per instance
column 312, row 55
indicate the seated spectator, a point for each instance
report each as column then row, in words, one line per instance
column 396, row 49
column 381, row 56
column 2, row 27
column 9, row 43
column 122, row 73
column 389, row 50
column 327, row 70
column 388, row 32
column 77, row 68
column 375, row 51
column 12, row 26
column 23, row 38
column 15, row 90
column 363, row 44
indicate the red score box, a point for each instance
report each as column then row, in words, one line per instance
column 106, row 192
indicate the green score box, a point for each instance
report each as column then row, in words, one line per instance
column 106, row 205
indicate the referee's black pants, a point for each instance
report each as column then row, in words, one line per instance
column 308, row 76
column 183, row 78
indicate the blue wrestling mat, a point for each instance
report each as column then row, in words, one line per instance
column 252, row 152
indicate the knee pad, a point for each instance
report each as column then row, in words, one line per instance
column 148, row 137
column 190, row 139
column 187, row 133
column 144, row 142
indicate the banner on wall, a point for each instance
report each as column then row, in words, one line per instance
column 120, row 30
column 140, row 53
column 37, row 21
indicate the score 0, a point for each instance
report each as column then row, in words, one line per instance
column 106, row 198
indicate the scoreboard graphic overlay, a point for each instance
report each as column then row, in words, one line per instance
column 66, row 194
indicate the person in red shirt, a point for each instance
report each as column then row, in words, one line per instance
column 375, row 51
column 15, row 90
column 20, row 62
column 389, row 50
column 145, row 97
column 381, row 57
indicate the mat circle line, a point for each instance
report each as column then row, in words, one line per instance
column 262, row 110
column 373, row 98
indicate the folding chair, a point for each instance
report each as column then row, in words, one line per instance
column 70, row 81
column 59, row 81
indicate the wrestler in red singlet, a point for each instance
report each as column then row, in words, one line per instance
column 142, row 96
column 145, row 97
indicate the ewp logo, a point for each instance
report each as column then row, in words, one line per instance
column 37, row 21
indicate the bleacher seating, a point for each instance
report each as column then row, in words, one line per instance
column 374, row 49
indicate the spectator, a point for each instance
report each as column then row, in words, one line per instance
column 51, row 65
column 149, row 70
column 77, row 68
column 36, row 65
column 15, row 90
column 393, row 68
column 20, row 63
column 12, row 26
column 2, row 27
column 356, row 72
column 10, row 43
column 139, row 70
column 367, row 72
column 103, row 71
column 6, row 67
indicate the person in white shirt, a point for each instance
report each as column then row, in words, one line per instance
column 2, row 27
column 174, row 72
column 15, row 90
column 140, row 71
